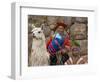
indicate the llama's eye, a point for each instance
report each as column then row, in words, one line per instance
column 39, row 32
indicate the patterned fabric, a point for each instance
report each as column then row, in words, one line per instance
column 67, row 40
column 55, row 44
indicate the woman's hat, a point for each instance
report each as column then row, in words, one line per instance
column 61, row 24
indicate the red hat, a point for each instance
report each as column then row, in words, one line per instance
column 61, row 24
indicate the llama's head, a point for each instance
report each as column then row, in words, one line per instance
column 37, row 33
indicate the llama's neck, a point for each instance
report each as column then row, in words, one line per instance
column 38, row 44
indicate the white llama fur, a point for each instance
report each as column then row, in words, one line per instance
column 39, row 55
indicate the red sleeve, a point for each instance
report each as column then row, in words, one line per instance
column 67, row 40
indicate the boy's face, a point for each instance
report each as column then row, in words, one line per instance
column 60, row 29
column 75, row 51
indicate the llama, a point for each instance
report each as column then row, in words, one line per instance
column 39, row 55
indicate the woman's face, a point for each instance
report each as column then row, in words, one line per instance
column 60, row 29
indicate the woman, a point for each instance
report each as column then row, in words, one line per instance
column 58, row 45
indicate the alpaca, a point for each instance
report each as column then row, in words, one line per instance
column 39, row 55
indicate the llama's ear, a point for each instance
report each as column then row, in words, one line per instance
column 42, row 26
column 32, row 30
column 33, row 26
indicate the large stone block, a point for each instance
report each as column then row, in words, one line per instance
column 51, row 19
column 78, row 31
column 81, row 19
column 84, row 47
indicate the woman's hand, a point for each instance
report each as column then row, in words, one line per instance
column 67, row 48
column 62, row 51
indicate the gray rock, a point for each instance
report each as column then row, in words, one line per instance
column 78, row 31
column 81, row 19
column 83, row 47
column 51, row 20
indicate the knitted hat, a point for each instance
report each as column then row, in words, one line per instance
column 61, row 24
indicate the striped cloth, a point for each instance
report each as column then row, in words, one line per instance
column 56, row 44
